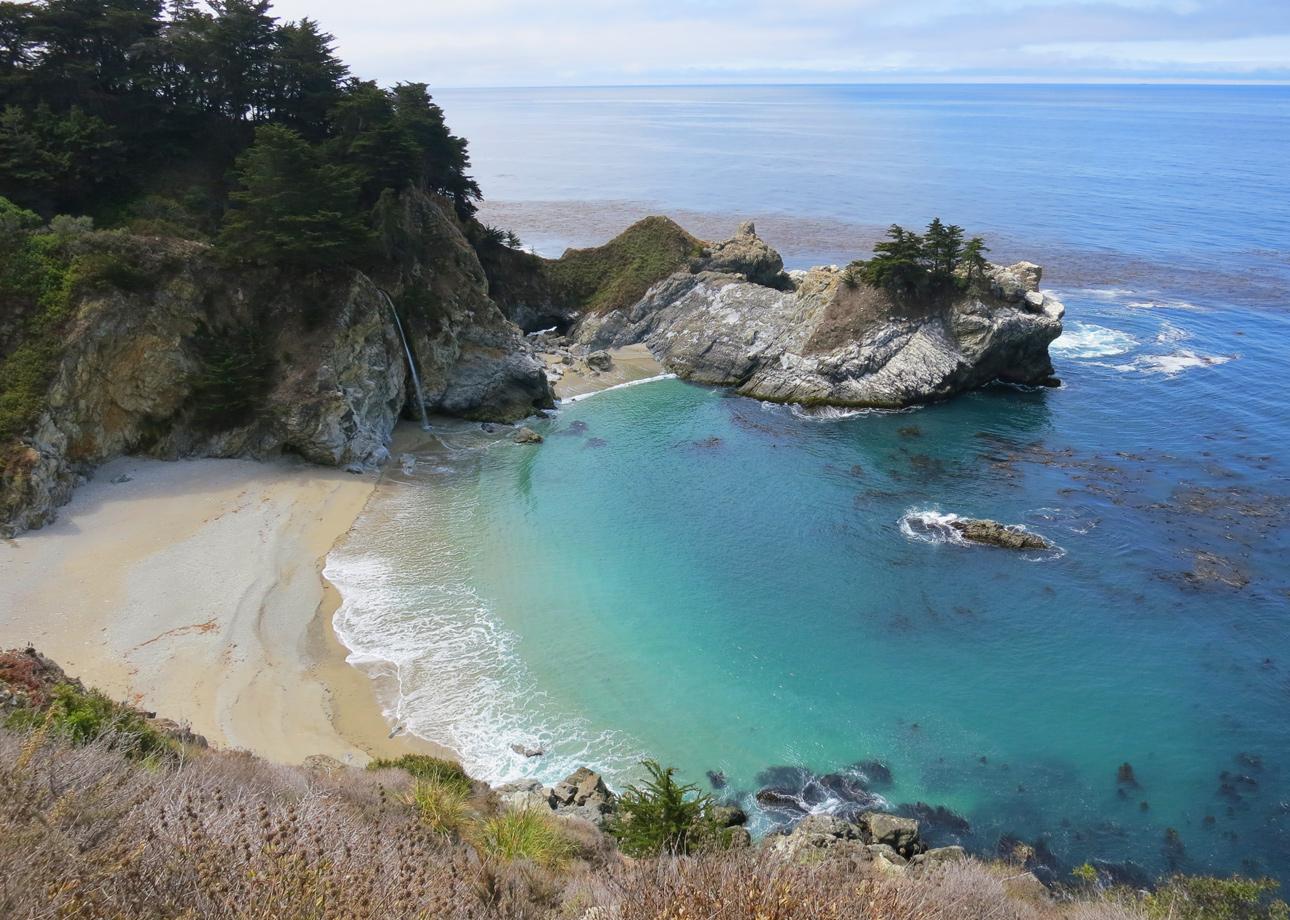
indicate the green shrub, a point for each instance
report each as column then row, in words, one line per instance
column 36, row 282
column 525, row 833
column 1200, row 897
column 664, row 817
column 107, row 271
column 427, row 769
column 617, row 274
column 442, row 806
column 83, row 716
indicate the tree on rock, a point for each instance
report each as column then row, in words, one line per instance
column 291, row 207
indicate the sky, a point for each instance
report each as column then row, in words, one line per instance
column 584, row 42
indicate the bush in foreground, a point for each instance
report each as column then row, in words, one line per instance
column 663, row 816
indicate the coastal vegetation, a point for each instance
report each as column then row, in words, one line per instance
column 216, row 122
column 93, row 829
column 616, row 275
column 664, row 816
column 932, row 263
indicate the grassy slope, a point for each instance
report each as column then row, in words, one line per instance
column 617, row 274
column 98, row 824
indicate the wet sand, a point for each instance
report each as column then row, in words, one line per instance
column 194, row 590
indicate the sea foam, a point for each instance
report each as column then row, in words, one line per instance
column 1086, row 340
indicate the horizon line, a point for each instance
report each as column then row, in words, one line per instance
column 1109, row 82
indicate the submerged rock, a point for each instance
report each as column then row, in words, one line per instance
column 1212, row 569
column 527, row 436
column 992, row 533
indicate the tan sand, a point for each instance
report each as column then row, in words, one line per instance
column 194, row 590
column 630, row 364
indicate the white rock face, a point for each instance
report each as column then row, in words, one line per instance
column 830, row 342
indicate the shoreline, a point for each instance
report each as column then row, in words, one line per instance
column 195, row 589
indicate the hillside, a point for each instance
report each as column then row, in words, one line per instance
column 107, row 812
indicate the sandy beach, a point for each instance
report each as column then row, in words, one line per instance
column 193, row 589
column 629, row 365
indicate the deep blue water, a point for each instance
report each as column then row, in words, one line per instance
column 740, row 588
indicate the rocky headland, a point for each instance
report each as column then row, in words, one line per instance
column 732, row 317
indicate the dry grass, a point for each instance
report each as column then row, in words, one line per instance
column 88, row 832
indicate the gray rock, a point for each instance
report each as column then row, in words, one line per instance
column 992, row 533
column 901, row 834
column 746, row 255
column 526, row 751
column 600, row 361
column 527, row 436
column 827, row 342
column 885, row 851
column 939, row 856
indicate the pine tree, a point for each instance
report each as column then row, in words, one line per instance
column 239, row 52
column 944, row 248
column 974, row 260
column 291, row 207
column 306, row 78
column 663, row 816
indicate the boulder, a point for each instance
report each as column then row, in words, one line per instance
column 527, row 435
column 600, row 361
column 992, row 533
column 729, row 815
column 746, row 255
column 884, row 851
column 583, row 792
column 524, row 794
column 938, row 856
column 901, row 834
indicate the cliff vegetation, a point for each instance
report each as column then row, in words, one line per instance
column 109, row 812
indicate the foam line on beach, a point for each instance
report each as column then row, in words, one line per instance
column 618, row 386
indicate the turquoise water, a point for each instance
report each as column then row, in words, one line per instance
column 739, row 588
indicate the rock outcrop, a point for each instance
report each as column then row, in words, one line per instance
column 823, row 338
column 582, row 794
column 992, row 533
column 204, row 360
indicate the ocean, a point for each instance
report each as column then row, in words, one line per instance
column 766, row 597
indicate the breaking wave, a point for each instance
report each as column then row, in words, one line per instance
column 445, row 666
column 1086, row 340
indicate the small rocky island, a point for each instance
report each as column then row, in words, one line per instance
column 823, row 337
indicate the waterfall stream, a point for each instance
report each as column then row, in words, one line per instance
column 412, row 364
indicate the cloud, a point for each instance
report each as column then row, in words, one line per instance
column 513, row 43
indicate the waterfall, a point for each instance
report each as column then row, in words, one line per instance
column 412, row 364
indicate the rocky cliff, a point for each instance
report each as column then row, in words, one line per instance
column 179, row 355
column 820, row 337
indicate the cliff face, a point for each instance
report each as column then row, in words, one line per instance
column 819, row 338
column 206, row 360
